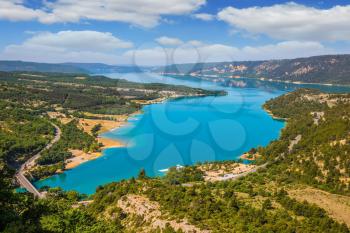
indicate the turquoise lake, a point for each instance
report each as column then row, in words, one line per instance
column 182, row 131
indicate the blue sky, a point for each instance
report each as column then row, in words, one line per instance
column 158, row 32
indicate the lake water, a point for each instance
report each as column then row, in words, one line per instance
column 182, row 132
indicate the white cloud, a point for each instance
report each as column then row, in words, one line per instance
column 168, row 41
column 291, row 21
column 204, row 16
column 286, row 49
column 143, row 13
column 195, row 43
column 92, row 46
column 64, row 46
column 79, row 40
column 190, row 53
column 14, row 10
column 147, row 56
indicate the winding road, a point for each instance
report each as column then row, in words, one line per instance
column 22, row 180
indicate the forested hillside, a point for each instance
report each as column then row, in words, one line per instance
column 95, row 94
column 263, row 201
column 332, row 69
column 22, row 132
column 319, row 127
column 257, row 203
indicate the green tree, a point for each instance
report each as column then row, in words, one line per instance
column 142, row 174
column 96, row 129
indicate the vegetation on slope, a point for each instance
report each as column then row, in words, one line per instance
column 322, row 121
column 259, row 202
column 95, row 94
column 252, row 204
column 247, row 205
column 23, row 132
column 319, row 69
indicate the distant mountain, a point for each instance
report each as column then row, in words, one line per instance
column 99, row 68
column 91, row 68
column 333, row 69
column 39, row 67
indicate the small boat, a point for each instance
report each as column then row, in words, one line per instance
column 178, row 167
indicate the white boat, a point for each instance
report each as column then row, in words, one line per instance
column 178, row 167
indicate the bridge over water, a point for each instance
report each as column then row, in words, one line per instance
column 22, row 180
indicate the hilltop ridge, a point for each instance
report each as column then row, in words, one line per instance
column 329, row 69
column 68, row 67
column 325, row 69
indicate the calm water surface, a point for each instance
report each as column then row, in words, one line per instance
column 182, row 132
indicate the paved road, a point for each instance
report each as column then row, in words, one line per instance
column 22, row 180
column 25, row 183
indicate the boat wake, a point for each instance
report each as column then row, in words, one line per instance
column 178, row 166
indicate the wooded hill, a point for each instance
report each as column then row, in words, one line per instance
column 260, row 202
column 95, row 94
column 319, row 126
column 333, row 69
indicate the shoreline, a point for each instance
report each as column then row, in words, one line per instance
column 115, row 123
column 302, row 83
column 273, row 116
column 80, row 157
column 107, row 125
column 262, row 79
column 249, row 157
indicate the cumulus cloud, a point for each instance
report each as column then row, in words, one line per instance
column 14, row 10
column 64, row 46
column 190, row 52
column 286, row 49
column 140, row 12
column 204, row 16
column 92, row 46
column 168, row 41
column 291, row 21
column 79, row 40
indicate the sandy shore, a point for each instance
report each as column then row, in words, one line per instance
column 80, row 157
column 106, row 125
column 250, row 157
column 115, row 122
column 110, row 143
